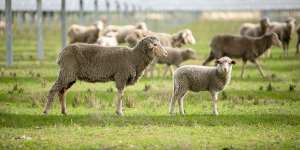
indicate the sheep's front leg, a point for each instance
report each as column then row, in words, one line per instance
column 119, row 110
column 214, row 96
column 243, row 68
column 166, row 70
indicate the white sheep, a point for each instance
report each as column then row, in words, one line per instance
column 201, row 78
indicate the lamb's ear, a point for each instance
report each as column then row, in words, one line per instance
column 217, row 62
column 233, row 62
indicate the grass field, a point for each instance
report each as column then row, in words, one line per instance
column 255, row 113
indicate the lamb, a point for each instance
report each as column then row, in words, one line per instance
column 175, row 57
column 201, row 78
column 123, row 31
column 116, row 28
column 247, row 48
column 178, row 39
column 298, row 41
column 284, row 31
column 108, row 40
column 85, row 34
column 255, row 30
column 93, row 63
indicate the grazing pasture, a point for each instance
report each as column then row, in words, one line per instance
column 255, row 113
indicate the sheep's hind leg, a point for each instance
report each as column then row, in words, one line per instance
column 243, row 68
column 259, row 68
column 214, row 96
column 54, row 89
column 61, row 95
column 175, row 97
column 180, row 102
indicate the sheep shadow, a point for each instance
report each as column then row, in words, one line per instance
column 40, row 121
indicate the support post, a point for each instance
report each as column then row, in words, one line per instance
column 39, row 22
column 63, row 24
column 9, row 34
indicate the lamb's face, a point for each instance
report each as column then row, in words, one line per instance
column 190, row 53
column 154, row 47
column 224, row 65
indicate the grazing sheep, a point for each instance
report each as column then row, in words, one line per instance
column 123, row 31
column 298, row 41
column 85, row 34
column 255, row 30
column 116, row 28
column 93, row 63
column 247, row 48
column 175, row 57
column 201, row 78
column 178, row 39
column 108, row 40
column 284, row 31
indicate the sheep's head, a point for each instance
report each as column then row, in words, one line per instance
column 265, row 22
column 183, row 37
column 142, row 26
column 189, row 54
column 99, row 25
column 275, row 39
column 152, row 47
column 224, row 65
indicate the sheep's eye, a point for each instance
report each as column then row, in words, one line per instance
column 154, row 44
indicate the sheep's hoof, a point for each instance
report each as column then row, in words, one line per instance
column 216, row 113
column 45, row 113
column 64, row 113
column 119, row 113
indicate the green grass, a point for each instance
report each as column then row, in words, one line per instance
column 251, row 116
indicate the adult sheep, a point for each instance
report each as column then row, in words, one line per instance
column 200, row 78
column 255, row 30
column 93, row 63
column 284, row 31
column 85, row 34
column 247, row 48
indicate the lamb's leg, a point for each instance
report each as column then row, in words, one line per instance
column 54, row 89
column 180, row 103
column 243, row 68
column 166, row 70
column 177, row 94
column 214, row 96
column 171, row 70
column 259, row 68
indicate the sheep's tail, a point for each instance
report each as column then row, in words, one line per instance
column 65, row 51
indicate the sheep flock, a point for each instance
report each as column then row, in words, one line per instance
column 98, row 53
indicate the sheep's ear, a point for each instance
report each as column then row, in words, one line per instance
column 233, row 62
column 218, row 62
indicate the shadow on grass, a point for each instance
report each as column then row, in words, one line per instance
column 28, row 121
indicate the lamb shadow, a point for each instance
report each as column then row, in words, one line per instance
column 40, row 121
